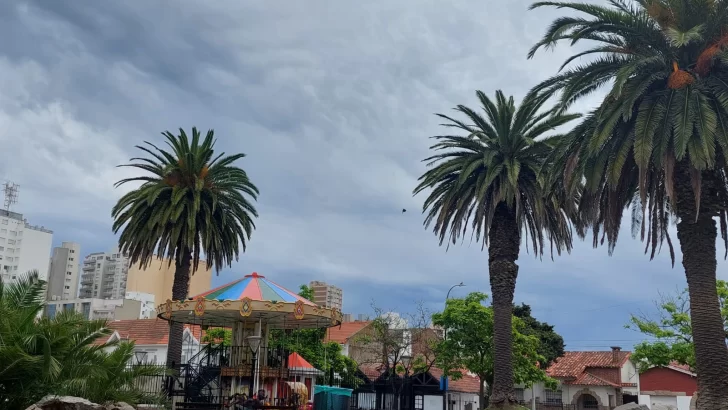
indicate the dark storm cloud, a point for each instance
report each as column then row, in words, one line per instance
column 332, row 101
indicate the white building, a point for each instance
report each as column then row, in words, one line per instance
column 107, row 309
column 64, row 272
column 104, row 275
column 23, row 247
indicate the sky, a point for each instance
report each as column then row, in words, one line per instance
column 333, row 104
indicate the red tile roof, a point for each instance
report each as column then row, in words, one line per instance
column 145, row 331
column 467, row 384
column 681, row 367
column 341, row 334
column 588, row 368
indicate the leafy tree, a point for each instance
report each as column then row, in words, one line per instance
column 490, row 178
column 57, row 355
column 190, row 203
column 657, row 142
column 218, row 335
column 305, row 292
column 551, row 344
column 672, row 330
column 470, row 339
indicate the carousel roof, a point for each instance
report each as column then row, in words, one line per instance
column 255, row 287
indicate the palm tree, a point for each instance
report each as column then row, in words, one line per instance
column 58, row 355
column 190, row 203
column 657, row 142
column 491, row 179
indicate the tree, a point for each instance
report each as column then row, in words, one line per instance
column 551, row 344
column 671, row 330
column 219, row 336
column 491, row 179
column 470, row 339
column 305, row 292
column 190, row 202
column 39, row 357
column 657, row 142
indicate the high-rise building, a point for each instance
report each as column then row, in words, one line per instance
column 63, row 273
column 23, row 247
column 103, row 275
column 326, row 295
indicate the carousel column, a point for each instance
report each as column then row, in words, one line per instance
column 235, row 343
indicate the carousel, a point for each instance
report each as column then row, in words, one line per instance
column 258, row 313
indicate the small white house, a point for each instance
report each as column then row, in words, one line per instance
column 587, row 380
column 150, row 337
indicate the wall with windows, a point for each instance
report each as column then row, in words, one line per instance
column 566, row 394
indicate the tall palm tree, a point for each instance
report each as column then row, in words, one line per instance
column 190, row 203
column 657, row 142
column 490, row 178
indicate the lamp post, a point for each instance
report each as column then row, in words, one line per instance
column 443, row 379
column 461, row 284
column 254, row 344
column 406, row 385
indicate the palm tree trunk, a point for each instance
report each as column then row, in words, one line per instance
column 697, row 242
column 504, row 242
column 180, row 288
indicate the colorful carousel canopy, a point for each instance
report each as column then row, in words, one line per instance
column 252, row 298
column 255, row 287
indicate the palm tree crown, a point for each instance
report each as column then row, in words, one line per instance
column 666, row 113
column 498, row 161
column 189, row 202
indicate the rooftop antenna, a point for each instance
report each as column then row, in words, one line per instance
column 11, row 194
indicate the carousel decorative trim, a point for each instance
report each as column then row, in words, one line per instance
column 298, row 312
column 246, row 307
column 168, row 309
column 200, row 307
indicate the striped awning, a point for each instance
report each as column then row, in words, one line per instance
column 255, row 287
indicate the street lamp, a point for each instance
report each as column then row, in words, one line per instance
column 254, row 344
column 461, row 284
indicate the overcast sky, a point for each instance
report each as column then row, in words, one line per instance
column 333, row 103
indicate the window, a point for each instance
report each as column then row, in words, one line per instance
column 13, row 233
column 5, row 222
column 519, row 395
column 11, row 241
column 419, row 402
column 68, row 273
column 68, row 287
column 51, row 311
column 5, row 231
column 72, row 251
column 70, row 259
column 553, row 396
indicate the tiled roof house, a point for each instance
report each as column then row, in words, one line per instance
column 589, row 380
column 352, row 338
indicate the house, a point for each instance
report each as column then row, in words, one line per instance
column 425, row 390
column 587, row 380
column 150, row 337
column 671, row 386
column 354, row 341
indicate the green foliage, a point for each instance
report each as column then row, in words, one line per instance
column 665, row 115
column 499, row 158
column 218, row 336
column 671, row 331
column 191, row 201
column 57, row 356
column 469, row 343
column 551, row 344
column 306, row 292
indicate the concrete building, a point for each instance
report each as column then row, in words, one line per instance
column 23, row 247
column 157, row 278
column 107, row 309
column 64, row 272
column 148, row 305
column 327, row 295
column 104, row 275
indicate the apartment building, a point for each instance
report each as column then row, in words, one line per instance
column 103, row 275
column 23, row 247
column 157, row 279
column 64, row 270
column 327, row 295
column 106, row 309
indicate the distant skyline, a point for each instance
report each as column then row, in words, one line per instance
column 333, row 104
